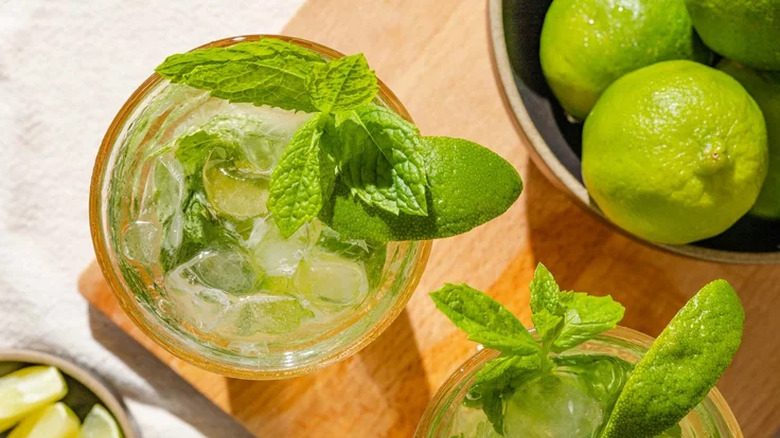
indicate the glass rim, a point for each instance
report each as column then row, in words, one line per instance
column 124, row 296
column 470, row 365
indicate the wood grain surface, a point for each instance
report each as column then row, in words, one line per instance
column 435, row 55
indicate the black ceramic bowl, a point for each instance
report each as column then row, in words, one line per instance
column 84, row 389
column 556, row 143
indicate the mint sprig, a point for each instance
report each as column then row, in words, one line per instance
column 382, row 160
column 265, row 72
column 341, row 85
column 302, row 179
column 563, row 320
column 378, row 153
column 484, row 320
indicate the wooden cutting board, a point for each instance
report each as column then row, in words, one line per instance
column 435, row 55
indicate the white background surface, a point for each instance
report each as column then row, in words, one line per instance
column 66, row 67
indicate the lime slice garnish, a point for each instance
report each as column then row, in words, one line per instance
column 681, row 366
column 100, row 424
column 28, row 389
column 53, row 421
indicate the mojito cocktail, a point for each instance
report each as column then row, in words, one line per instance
column 568, row 379
column 265, row 207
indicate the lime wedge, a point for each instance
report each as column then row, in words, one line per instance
column 26, row 390
column 53, row 421
column 100, row 424
column 681, row 366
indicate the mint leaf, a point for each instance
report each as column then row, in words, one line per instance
column 498, row 379
column 566, row 319
column 547, row 326
column 585, row 317
column 484, row 320
column 504, row 370
column 302, row 179
column 545, row 293
column 342, row 84
column 381, row 160
column 193, row 150
column 200, row 229
column 266, row 72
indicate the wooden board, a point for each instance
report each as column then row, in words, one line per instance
column 435, row 55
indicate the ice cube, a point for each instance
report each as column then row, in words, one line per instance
column 554, row 405
column 262, row 139
column 164, row 189
column 169, row 181
column 327, row 279
column 225, row 269
column 235, row 194
column 268, row 314
column 277, row 256
column 141, row 241
column 201, row 306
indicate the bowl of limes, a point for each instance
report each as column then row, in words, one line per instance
column 43, row 396
column 661, row 117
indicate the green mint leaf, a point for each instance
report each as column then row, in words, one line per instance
column 505, row 370
column 200, row 229
column 484, row 320
column 545, row 293
column 193, row 150
column 585, row 317
column 265, row 72
column 547, row 326
column 493, row 406
column 301, row 180
column 381, row 160
column 498, row 379
column 342, row 84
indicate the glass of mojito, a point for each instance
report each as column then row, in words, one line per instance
column 578, row 375
column 263, row 206
column 235, row 296
column 600, row 364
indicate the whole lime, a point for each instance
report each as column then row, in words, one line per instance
column 587, row 44
column 675, row 152
column 747, row 31
column 764, row 86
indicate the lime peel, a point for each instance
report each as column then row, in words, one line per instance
column 681, row 366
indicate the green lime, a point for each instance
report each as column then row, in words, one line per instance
column 28, row 389
column 764, row 86
column 100, row 424
column 681, row 366
column 53, row 421
column 747, row 31
column 675, row 152
column 468, row 185
column 588, row 44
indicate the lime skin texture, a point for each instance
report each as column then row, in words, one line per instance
column 681, row 366
column 764, row 86
column 675, row 152
column 588, row 44
column 747, row 31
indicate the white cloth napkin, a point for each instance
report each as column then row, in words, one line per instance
column 66, row 67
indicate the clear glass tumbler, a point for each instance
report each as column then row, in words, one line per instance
column 149, row 118
column 445, row 414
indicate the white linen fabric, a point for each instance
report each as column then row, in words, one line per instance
column 66, row 67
